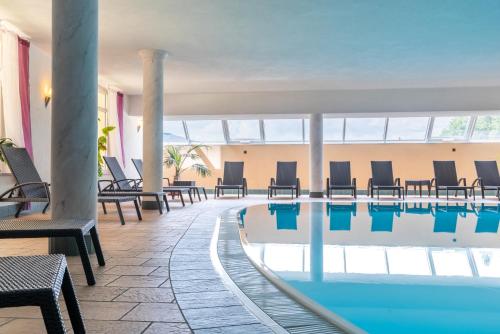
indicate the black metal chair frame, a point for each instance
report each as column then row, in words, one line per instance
column 22, row 191
column 173, row 191
column 128, row 187
column 223, row 184
column 331, row 184
column 480, row 181
column 395, row 186
column 453, row 181
column 77, row 229
column 274, row 187
column 16, row 290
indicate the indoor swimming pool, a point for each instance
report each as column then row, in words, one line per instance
column 384, row 267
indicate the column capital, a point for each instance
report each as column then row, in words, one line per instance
column 153, row 54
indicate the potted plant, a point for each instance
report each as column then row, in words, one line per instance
column 102, row 147
column 178, row 156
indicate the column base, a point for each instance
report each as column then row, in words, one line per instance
column 316, row 194
column 151, row 205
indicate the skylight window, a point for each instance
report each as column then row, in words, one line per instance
column 283, row 130
column 206, row 131
column 487, row 128
column 244, row 130
column 408, row 261
column 450, row 128
column 407, row 128
column 173, row 132
column 364, row 129
column 365, row 260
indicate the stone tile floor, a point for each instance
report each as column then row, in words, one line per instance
column 152, row 268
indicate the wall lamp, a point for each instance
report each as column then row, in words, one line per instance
column 47, row 95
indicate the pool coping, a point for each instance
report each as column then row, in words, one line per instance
column 317, row 320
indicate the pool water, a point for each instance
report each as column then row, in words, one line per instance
column 385, row 267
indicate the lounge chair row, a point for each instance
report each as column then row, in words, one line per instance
column 445, row 179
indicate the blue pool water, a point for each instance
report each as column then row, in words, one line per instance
column 385, row 267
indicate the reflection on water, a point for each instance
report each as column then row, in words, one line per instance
column 360, row 259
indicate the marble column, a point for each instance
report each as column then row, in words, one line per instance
column 74, row 114
column 152, row 96
column 316, row 241
column 316, row 156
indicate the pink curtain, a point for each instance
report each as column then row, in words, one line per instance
column 119, row 108
column 24, row 92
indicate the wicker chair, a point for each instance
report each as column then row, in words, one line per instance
column 286, row 179
column 233, row 179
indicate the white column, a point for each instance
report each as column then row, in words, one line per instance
column 316, row 241
column 74, row 114
column 152, row 122
column 316, row 155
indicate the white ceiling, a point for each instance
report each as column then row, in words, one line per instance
column 280, row 45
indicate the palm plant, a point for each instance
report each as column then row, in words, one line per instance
column 176, row 157
column 7, row 142
column 102, row 147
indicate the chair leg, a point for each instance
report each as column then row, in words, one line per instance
column 72, row 304
column 137, row 210
column 355, row 193
column 45, row 208
column 104, row 208
column 190, row 197
column 19, row 209
column 84, row 256
column 204, row 192
column 215, row 192
column 52, row 316
column 97, row 246
column 198, row 193
column 482, row 192
column 465, row 193
column 447, row 194
column 165, row 199
column 160, row 206
column 120, row 213
column 238, row 193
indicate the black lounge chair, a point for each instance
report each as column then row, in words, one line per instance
column 38, row 281
column 233, row 179
column 340, row 178
column 445, row 179
column 173, row 191
column 72, row 228
column 383, row 179
column 488, row 177
column 122, row 186
column 286, row 178
column 29, row 187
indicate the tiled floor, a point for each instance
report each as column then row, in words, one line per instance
column 153, row 267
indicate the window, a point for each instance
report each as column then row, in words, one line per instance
column 487, row 128
column 333, row 129
column 283, row 130
column 365, row 129
column 449, row 128
column 206, row 132
column 173, row 132
column 407, row 128
column 451, row 262
column 244, row 130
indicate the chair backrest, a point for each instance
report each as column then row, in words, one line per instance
column 488, row 172
column 382, row 173
column 117, row 173
column 138, row 166
column 445, row 173
column 24, row 171
column 340, row 173
column 286, row 173
column 233, row 173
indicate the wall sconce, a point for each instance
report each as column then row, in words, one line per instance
column 47, row 95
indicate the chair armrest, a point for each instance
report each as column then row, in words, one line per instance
column 370, row 181
column 21, row 185
column 135, row 182
column 433, row 182
column 219, row 181
column 109, row 184
column 397, row 182
column 462, row 179
column 273, row 181
column 477, row 182
column 354, row 181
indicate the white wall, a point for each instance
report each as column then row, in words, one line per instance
column 132, row 140
column 40, row 77
column 422, row 100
